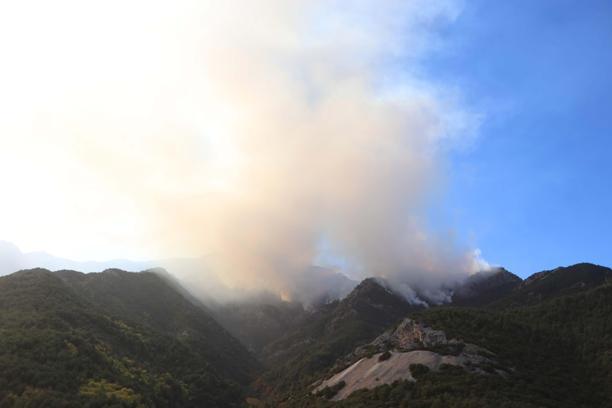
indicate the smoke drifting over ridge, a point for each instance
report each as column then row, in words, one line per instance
column 254, row 132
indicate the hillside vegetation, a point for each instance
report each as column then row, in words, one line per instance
column 553, row 334
column 119, row 339
column 112, row 339
column 335, row 329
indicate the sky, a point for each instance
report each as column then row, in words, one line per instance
column 415, row 140
column 535, row 190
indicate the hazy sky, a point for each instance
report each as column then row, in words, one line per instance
column 399, row 136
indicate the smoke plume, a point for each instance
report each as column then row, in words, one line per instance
column 263, row 135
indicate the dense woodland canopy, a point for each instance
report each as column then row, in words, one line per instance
column 112, row 339
column 127, row 340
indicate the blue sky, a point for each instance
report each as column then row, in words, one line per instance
column 535, row 190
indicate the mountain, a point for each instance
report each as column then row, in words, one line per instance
column 402, row 354
column 328, row 333
column 13, row 259
column 485, row 287
column 260, row 321
column 558, row 282
column 498, row 287
column 542, row 342
column 140, row 339
column 128, row 339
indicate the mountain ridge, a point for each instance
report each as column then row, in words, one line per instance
column 518, row 332
column 141, row 338
column 105, row 349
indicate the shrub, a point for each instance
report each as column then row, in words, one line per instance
column 384, row 356
column 418, row 370
column 330, row 392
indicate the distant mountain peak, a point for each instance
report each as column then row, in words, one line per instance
column 375, row 292
column 592, row 273
column 485, row 287
column 563, row 279
column 371, row 285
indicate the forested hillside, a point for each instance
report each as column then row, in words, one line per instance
column 113, row 339
column 553, row 333
column 69, row 339
column 334, row 329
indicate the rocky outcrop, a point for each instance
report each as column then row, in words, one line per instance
column 409, row 335
column 389, row 357
column 406, row 336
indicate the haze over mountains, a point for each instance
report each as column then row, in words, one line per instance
column 140, row 339
column 310, row 184
column 313, row 285
column 13, row 259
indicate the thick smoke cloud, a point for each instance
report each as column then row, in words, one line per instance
column 254, row 133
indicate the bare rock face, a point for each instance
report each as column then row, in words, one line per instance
column 409, row 343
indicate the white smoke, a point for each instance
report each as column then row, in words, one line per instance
column 248, row 131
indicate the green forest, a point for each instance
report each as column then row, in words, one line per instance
column 120, row 339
